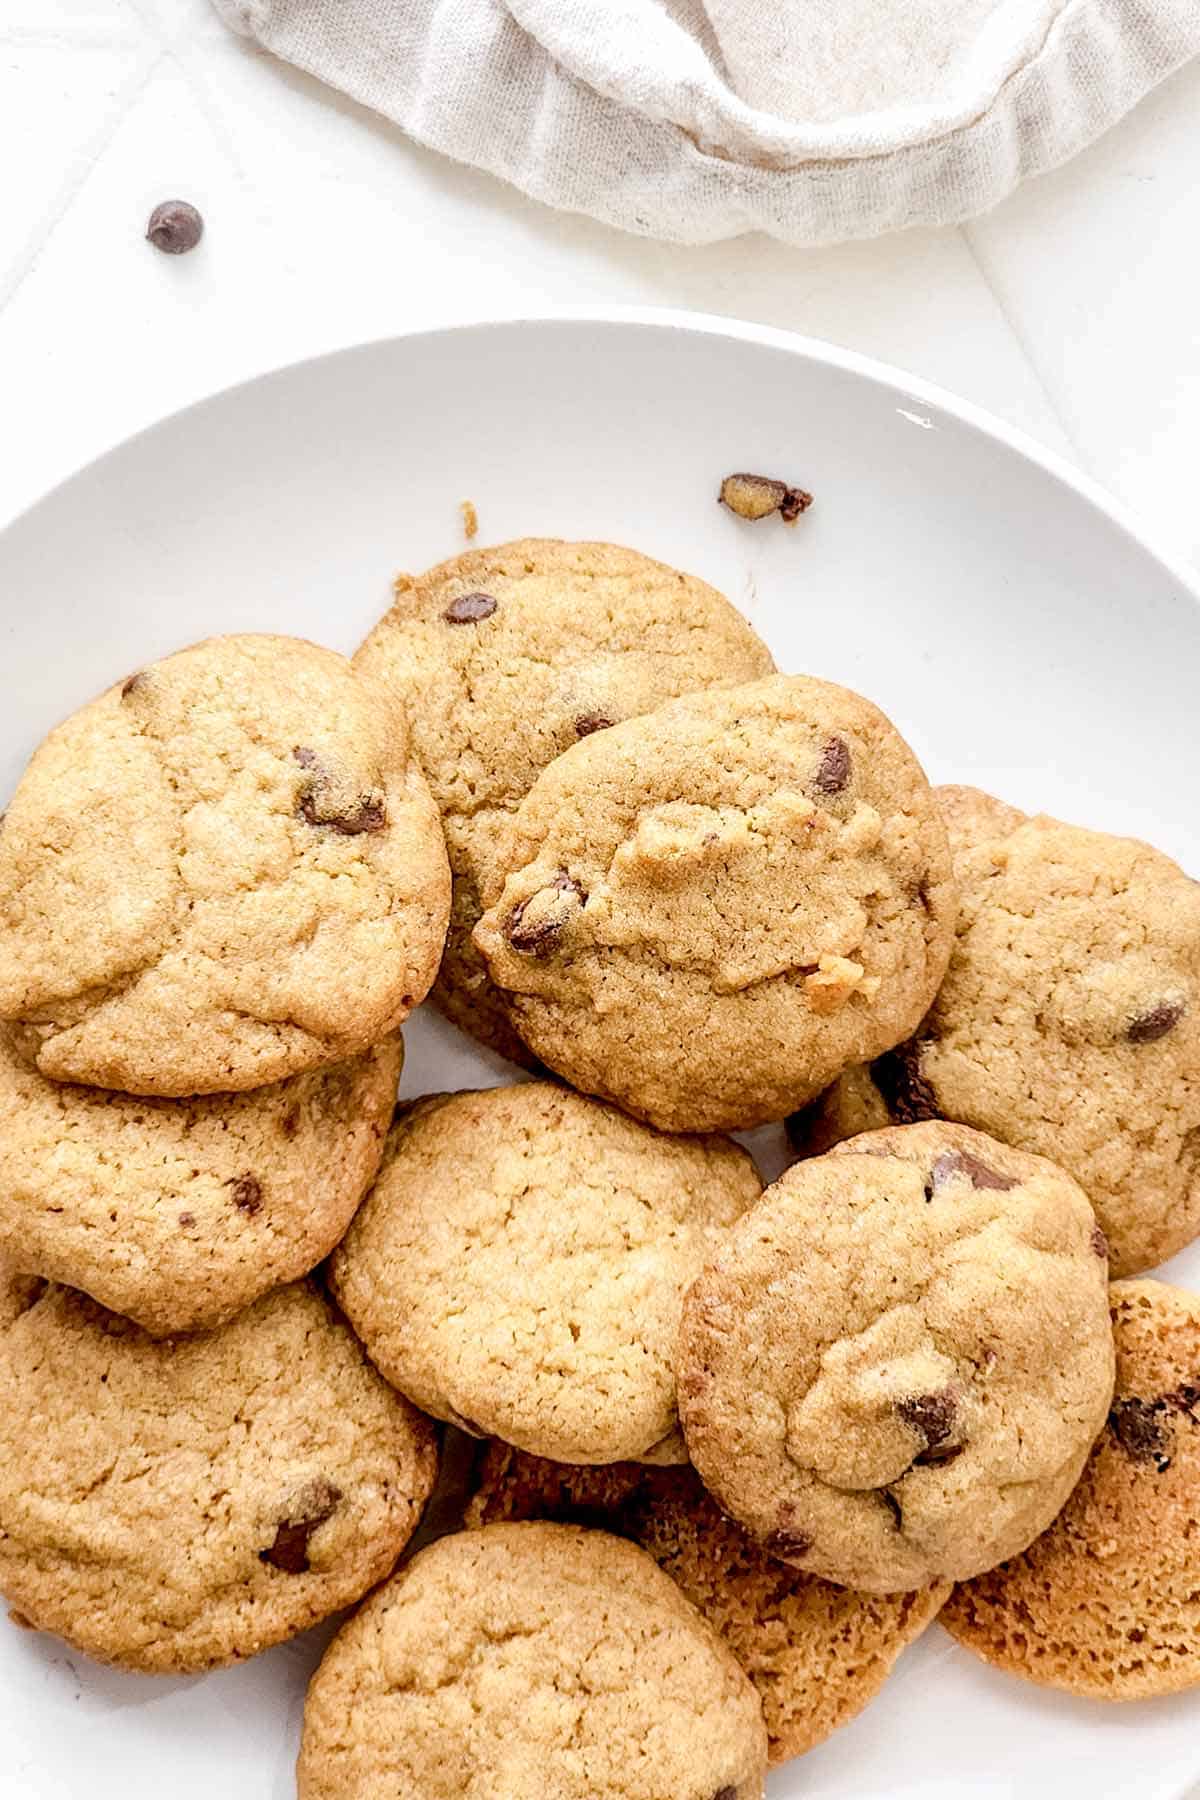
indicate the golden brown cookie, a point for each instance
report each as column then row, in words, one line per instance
column 1106, row 1602
column 815, row 1652
column 1068, row 1023
column 894, row 1370
column 528, row 1660
column 178, row 1505
column 223, row 872
column 178, row 1213
column 503, row 658
column 519, row 1267
column 707, row 912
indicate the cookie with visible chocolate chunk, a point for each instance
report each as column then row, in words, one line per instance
column 816, row 1653
column 706, row 913
column 894, row 1370
column 174, row 1506
column 518, row 1268
column 531, row 1659
column 222, row 872
column 1068, row 1022
column 178, row 1213
column 503, row 658
column 1106, row 1603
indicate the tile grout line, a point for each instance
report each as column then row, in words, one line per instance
column 83, row 163
column 982, row 264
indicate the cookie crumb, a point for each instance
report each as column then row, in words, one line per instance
column 470, row 519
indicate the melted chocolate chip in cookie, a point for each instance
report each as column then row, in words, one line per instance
column 589, row 722
column 1142, row 1429
column 961, row 1162
column 310, row 1508
column 907, row 1095
column 321, row 802
column 536, row 925
column 247, row 1193
column 833, row 770
column 931, row 1416
column 1149, row 1026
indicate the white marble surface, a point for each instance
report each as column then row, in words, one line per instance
column 1071, row 310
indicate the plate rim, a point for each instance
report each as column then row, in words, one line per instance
column 673, row 321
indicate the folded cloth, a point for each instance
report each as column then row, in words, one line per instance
column 815, row 120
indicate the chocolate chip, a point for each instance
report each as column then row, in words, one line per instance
column 758, row 496
column 1099, row 1243
column 131, row 683
column 1187, row 1399
column 468, row 609
column 321, row 804
column 961, row 1162
column 310, row 1508
column 931, row 1416
column 725, row 1793
column 590, row 722
column 175, row 227
column 538, row 936
column 833, row 771
column 1141, row 1429
column 787, row 1543
column 937, row 1455
column 187, row 1220
column 906, row 1093
column 247, row 1192
column 1148, row 1027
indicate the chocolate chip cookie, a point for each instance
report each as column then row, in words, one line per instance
column 222, row 872
column 894, row 1370
column 530, row 1660
column 178, row 1213
column 1106, row 1603
column 1068, row 1023
column 706, row 913
column 178, row 1505
column 502, row 659
column 816, row 1653
column 519, row 1267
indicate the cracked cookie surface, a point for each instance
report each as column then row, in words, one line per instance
column 894, row 1370
column 178, row 1213
column 705, row 913
column 222, row 872
column 1068, row 1023
column 518, row 1268
column 174, row 1506
column 1106, row 1603
column 530, row 1659
column 816, row 1653
column 503, row 658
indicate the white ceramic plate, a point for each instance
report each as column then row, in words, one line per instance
column 1018, row 631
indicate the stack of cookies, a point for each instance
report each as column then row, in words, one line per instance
column 733, row 1449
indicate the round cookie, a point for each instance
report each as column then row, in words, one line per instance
column 504, row 658
column 519, row 1267
column 894, row 1370
column 1106, row 1603
column 1068, row 1023
column 530, row 1659
column 816, row 1653
column 223, row 872
column 711, row 911
column 173, row 1506
column 179, row 1213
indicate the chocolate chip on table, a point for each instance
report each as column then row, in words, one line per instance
column 758, row 496
column 931, row 1416
column 1142, row 1430
column 175, row 227
column 537, row 935
column 833, row 770
column 906, row 1093
column 310, row 1508
column 961, row 1162
column 320, row 803
column 589, row 722
column 1149, row 1026
column 469, row 609
column 247, row 1192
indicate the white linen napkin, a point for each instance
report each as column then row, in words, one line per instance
column 815, row 120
